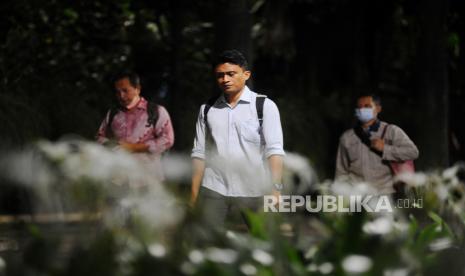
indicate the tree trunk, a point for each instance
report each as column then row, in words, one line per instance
column 233, row 24
column 432, row 91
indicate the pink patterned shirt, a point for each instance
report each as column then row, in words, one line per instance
column 131, row 126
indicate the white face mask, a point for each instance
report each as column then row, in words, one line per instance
column 365, row 114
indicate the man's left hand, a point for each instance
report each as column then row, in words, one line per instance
column 377, row 144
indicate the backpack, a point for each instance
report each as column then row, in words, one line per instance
column 259, row 102
column 152, row 115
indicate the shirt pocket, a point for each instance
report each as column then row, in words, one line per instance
column 249, row 131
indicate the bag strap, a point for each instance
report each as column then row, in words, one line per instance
column 113, row 111
column 208, row 105
column 364, row 138
column 384, row 132
column 209, row 142
column 152, row 114
column 259, row 103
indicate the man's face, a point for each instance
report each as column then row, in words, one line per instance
column 125, row 92
column 231, row 78
column 367, row 102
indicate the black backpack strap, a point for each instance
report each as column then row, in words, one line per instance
column 209, row 143
column 115, row 109
column 152, row 114
column 259, row 102
column 384, row 132
column 208, row 105
column 364, row 138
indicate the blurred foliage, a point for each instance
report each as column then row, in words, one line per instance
column 311, row 57
column 129, row 229
column 277, row 244
column 53, row 63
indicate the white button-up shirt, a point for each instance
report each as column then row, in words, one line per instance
column 237, row 166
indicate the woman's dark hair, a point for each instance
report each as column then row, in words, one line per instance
column 233, row 57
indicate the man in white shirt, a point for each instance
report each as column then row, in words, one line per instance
column 238, row 147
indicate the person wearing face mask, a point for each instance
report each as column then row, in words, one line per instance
column 137, row 125
column 366, row 151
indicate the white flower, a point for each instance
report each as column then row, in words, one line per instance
column 158, row 209
column 157, row 250
column 2, row 265
column 177, row 167
column 380, row 226
column 348, row 189
column 396, row 272
column 262, row 257
column 440, row 244
column 441, row 192
column 356, row 264
column 56, row 151
column 311, row 252
column 450, row 173
column 326, row 268
column 299, row 165
column 312, row 268
column 59, row 166
column 412, row 179
column 401, row 226
column 25, row 168
column 196, row 256
column 220, row 255
column 248, row 269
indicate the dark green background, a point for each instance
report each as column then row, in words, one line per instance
column 311, row 57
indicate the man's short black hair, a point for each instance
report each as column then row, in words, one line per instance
column 376, row 98
column 133, row 77
column 231, row 56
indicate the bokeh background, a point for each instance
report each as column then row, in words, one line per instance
column 311, row 57
column 61, row 212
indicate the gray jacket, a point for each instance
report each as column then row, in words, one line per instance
column 357, row 163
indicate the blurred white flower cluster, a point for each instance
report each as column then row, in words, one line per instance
column 441, row 191
column 77, row 173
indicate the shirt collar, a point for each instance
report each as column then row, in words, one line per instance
column 142, row 105
column 374, row 127
column 246, row 96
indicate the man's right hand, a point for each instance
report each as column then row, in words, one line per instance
column 277, row 195
column 377, row 144
column 193, row 200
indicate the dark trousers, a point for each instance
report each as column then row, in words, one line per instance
column 216, row 208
